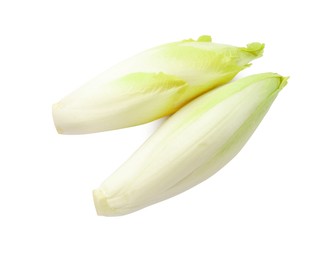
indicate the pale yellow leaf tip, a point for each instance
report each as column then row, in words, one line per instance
column 284, row 82
column 101, row 205
column 202, row 38
column 205, row 38
column 255, row 48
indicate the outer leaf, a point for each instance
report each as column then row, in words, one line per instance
column 190, row 146
column 151, row 85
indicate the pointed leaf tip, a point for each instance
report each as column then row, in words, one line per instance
column 205, row 38
column 256, row 48
column 284, row 82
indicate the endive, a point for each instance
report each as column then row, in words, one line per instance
column 190, row 146
column 151, row 85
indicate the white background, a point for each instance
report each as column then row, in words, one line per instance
column 273, row 201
